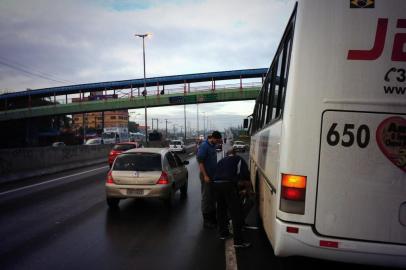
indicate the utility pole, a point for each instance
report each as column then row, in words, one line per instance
column 204, row 124
column 197, row 116
column 184, row 113
column 166, row 128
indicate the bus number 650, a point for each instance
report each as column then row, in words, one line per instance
column 349, row 135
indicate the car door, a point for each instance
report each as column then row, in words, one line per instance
column 173, row 169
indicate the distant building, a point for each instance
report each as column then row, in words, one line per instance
column 94, row 120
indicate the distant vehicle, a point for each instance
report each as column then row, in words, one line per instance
column 146, row 173
column 177, row 146
column 94, row 141
column 155, row 136
column 120, row 148
column 219, row 147
column 136, row 136
column 58, row 144
column 114, row 135
column 239, row 146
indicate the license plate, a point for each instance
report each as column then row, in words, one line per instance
column 135, row 192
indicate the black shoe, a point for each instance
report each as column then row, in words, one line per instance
column 242, row 245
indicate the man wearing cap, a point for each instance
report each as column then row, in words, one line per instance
column 207, row 158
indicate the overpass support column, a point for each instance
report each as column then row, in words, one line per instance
column 240, row 82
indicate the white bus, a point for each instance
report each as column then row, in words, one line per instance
column 114, row 135
column 328, row 145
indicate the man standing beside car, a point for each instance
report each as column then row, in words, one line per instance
column 207, row 158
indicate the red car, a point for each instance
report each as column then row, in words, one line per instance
column 119, row 148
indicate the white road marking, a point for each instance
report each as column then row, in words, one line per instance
column 50, row 181
column 231, row 258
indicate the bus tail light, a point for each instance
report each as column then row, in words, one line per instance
column 293, row 187
column 293, row 193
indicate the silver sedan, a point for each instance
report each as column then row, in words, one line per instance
column 146, row 173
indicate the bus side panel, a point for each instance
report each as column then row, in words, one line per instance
column 265, row 155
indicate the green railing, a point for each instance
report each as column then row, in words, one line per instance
column 232, row 94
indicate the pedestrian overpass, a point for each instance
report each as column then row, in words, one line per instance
column 127, row 94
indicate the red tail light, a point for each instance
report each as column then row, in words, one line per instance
column 110, row 179
column 112, row 153
column 293, row 187
column 163, row 179
column 293, row 194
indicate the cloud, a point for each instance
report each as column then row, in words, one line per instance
column 93, row 41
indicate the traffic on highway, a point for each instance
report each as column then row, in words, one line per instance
column 62, row 221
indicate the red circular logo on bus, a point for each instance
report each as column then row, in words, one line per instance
column 391, row 139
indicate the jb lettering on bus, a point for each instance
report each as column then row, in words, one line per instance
column 379, row 44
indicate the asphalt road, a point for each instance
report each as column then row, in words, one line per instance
column 62, row 222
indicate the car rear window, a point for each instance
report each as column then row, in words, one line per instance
column 123, row 147
column 138, row 162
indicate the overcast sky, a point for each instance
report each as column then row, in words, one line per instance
column 45, row 43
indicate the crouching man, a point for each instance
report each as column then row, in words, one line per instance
column 230, row 170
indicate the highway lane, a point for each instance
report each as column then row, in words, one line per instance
column 62, row 222
column 68, row 226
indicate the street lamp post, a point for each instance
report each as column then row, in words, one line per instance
column 166, row 128
column 204, row 124
column 144, row 93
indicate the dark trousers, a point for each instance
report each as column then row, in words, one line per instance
column 247, row 202
column 228, row 200
column 208, row 204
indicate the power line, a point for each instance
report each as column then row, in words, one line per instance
column 21, row 68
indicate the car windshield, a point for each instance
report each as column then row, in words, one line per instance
column 176, row 143
column 138, row 162
column 123, row 147
column 110, row 135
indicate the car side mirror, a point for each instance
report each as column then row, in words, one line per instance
column 186, row 162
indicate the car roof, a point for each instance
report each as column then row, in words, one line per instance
column 238, row 142
column 161, row 151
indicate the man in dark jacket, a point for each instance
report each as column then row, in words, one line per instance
column 230, row 170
